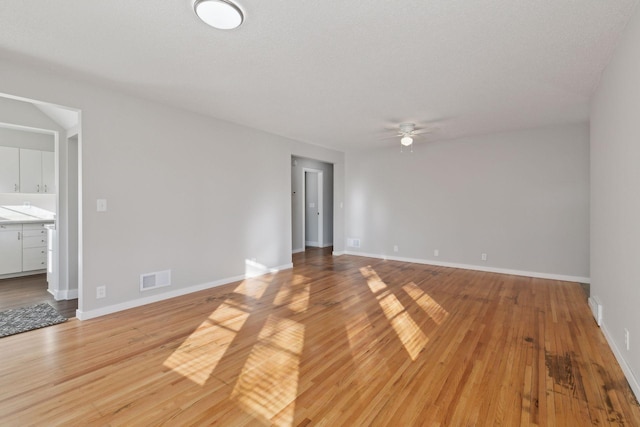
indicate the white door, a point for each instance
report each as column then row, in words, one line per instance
column 312, row 210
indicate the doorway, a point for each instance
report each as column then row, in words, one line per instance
column 62, row 288
column 311, row 204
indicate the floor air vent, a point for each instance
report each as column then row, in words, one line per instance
column 596, row 309
column 155, row 280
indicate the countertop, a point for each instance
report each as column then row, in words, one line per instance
column 25, row 215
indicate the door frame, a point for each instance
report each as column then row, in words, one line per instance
column 61, row 215
column 320, row 175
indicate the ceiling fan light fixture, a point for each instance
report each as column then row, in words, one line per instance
column 406, row 141
column 220, row 14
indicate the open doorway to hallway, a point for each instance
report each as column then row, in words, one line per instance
column 311, row 204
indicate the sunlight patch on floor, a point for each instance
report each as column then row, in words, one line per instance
column 268, row 384
column 412, row 337
column 295, row 293
column 430, row 306
column 373, row 280
column 409, row 333
column 254, row 287
column 199, row 354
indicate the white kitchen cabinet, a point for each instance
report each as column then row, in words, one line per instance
column 36, row 171
column 48, row 172
column 10, row 248
column 52, row 260
column 9, row 170
column 34, row 247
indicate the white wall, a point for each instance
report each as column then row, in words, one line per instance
column 328, row 200
column 26, row 139
column 615, row 199
column 520, row 197
column 185, row 192
column 24, row 113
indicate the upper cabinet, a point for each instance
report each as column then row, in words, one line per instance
column 26, row 171
column 36, row 171
column 48, row 171
column 30, row 171
column 9, row 170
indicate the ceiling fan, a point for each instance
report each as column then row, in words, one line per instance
column 408, row 131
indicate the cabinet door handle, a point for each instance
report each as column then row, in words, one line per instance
column 45, row 188
column 38, row 188
column 15, row 187
column 18, row 235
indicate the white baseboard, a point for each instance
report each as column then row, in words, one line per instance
column 66, row 294
column 338, row 253
column 22, row 274
column 626, row 369
column 312, row 243
column 110, row 309
column 477, row 267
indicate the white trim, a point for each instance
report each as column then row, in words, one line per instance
column 296, row 251
column 626, row 369
column 562, row 277
column 21, row 273
column 85, row 315
column 27, row 128
column 314, row 244
column 60, row 295
column 326, row 245
column 337, row 253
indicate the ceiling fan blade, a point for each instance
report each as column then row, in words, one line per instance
column 391, row 137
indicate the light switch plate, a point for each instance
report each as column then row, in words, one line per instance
column 101, row 205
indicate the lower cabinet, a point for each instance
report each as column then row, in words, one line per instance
column 23, row 248
column 10, row 248
column 34, row 247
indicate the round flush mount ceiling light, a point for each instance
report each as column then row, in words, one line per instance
column 406, row 141
column 220, row 14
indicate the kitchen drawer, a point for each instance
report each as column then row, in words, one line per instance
column 10, row 227
column 39, row 232
column 34, row 226
column 34, row 259
column 34, row 241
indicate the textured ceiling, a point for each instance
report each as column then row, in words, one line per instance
column 336, row 73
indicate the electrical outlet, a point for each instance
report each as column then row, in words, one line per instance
column 484, row 257
column 395, row 248
column 626, row 338
column 436, row 252
column 101, row 292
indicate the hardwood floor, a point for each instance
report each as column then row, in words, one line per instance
column 31, row 290
column 335, row 341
